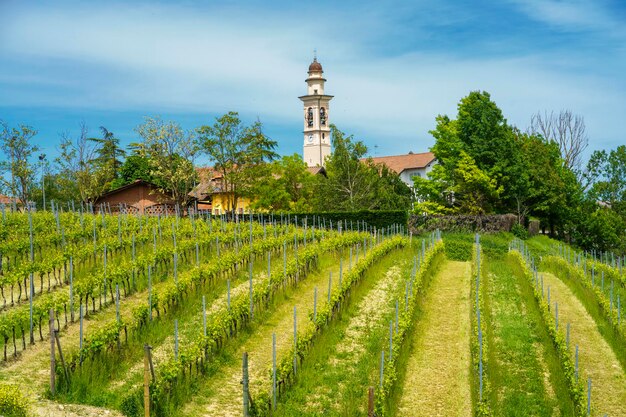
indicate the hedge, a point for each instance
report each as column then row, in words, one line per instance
column 376, row 218
column 462, row 223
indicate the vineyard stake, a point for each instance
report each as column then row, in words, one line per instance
column 72, row 289
column 350, row 264
column 315, row 304
column 576, row 363
column 370, row 402
column 146, row 381
column 52, row 358
column 251, row 297
column 273, row 371
column 382, row 367
column 396, row 316
column 228, row 294
column 176, row 339
column 295, row 342
column 32, row 281
column 150, row 290
column 556, row 315
column 330, row 283
column 245, row 382
column 390, row 338
column 117, row 302
column 589, row 396
column 204, row 315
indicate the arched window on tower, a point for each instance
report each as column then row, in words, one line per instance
column 323, row 116
column 309, row 117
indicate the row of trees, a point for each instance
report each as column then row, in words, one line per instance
column 166, row 155
column 487, row 166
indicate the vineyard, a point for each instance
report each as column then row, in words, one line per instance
column 287, row 316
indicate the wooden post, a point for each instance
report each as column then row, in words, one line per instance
column 146, row 381
column 370, row 402
column 65, row 370
column 52, row 358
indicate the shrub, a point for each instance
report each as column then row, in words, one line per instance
column 458, row 247
column 12, row 402
column 519, row 231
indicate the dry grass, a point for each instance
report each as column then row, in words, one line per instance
column 596, row 358
column 347, row 355
column 221, row 395
column 437, row 375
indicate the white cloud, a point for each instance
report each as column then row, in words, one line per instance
column 165, row 59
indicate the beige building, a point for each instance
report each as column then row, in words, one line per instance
column 409, row 165
column 316, row 118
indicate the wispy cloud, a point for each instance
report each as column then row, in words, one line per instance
column 160, row 58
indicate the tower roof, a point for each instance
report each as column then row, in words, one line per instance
column 315, row 66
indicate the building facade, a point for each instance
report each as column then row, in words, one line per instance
column 317, row 145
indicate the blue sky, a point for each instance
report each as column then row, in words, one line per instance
column 392, row 66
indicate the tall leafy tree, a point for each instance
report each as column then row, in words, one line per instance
column 350, row 184
column 76, row 167
column 170, row 152
column 109, row 154
column 18, row 150
column 286, row 186
column 238, row 152
column 607, row 173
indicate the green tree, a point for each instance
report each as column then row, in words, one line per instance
column 606, row 172
column 287, row 186
column 136, row 167
column 108, row 155
column 238, row 152
column 18, row 149
column 170, row 152
column 351, row 184
column 76, row 171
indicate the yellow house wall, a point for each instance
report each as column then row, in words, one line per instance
column 221, row 203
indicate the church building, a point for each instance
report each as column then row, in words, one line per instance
column 316, row 121
column 317, row 140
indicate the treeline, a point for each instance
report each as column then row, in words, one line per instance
column 166, row 155
column 488, row 166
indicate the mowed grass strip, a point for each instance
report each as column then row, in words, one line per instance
column 345, row 360
column 524, row 372
column 437, row 381
column 596, row 358
column 220, row 394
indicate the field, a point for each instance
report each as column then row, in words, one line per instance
column 301, row 318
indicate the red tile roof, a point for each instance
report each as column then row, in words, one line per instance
column 7, row 200
column 399, row 163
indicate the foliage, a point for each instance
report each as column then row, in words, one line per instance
column 355, row 184
column 12, row 402
column 107, row 155
column 239, row 152
column 136, row 167
column 76, row 171
column 405, row 324
column 519, row 231
column 288, row 186
column 575, row 387
column 607, row 170
column 458, row 247
column 353, row 220
column 170, row 152
column 17, row 148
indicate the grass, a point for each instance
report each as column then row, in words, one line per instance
column 344, row 361
column 596, row 358
column 221, row 390
column 524, row 368
column 436, row 379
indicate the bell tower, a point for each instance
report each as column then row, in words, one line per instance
column 316, row 117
